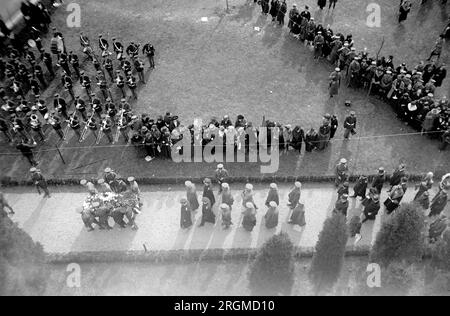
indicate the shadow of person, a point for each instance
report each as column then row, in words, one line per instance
column 208, row 273
column 33, row 219
column 243, row 15
column 272, row 34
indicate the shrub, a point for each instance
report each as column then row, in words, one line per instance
column 441, row 253
column 23, row 270
column 396, row 280
column 272, row 271
column 329, row 253
column 401, row 237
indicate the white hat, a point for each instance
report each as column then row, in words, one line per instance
column 343, row 160
column 249, row 186
column 430, row 95
column 83, row 182
column 188, row 183
column 225, row 185
column 412, row 107
column 249, row 205
column 298, row 184
column 100, row 181
column 224, row 206
column 273, row 204
column 273, row 186
column 337, row 69
column 130, row 179
column 220, row 166
column 107, row 170
column 33, row 170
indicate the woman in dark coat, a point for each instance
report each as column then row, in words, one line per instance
column 265, row 6
column 405, row 8
column 208, row 192
column 297, row 138
column 379, row 180
column 322, row 4
column 282, row 12
column 394, row 199
column 361, row 187
column 207, row 214
column 311, row 140
column 298, row 215
column 274, row 8
column 191, row 195
column 271, row 216
column 272, row 196
column 334, row 124
column 186, row 216
column 371, row 208
column 425, row 185
column 294, row 195
column 438, row 203
column 249, row 220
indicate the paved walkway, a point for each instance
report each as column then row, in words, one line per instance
column 55, row 223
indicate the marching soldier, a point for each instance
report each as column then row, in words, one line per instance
column 36, row 126
column 80, row 106
column 34, row 85
column 109, row 66
column 92, row 125
column 17, row 88
column 68, row 84
column 103, row 45
column 133, row 50
column 126, row 67
column 149, row 51
column 74, row 124
column 139, row 66
column 47, row 59
column 39, row 74
column 60, row 106
column 86, row 84
column 106, row 127
column 84, row 41
column 75, row 62
column 42, row 107
column 118, row 48
column 39, row 182
column 120, row 82
column 63, row 62
column 124, row 105
column 131, row 82
column 18, row 127
column 101, row 82
column 97, row 106
column 110, row 109
column 123, row 125
column 97, row 65
column 55, row 122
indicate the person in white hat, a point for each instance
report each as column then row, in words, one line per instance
column 335, row 82
column 249, row 219
column 104, row 187
column 226, row 215
column 134, row 188
column 294, row 195
column 247, row 195
column 273, row 196
column 271, row 216
column 221, row 176
column 227, row 197
column 341, row 172
column 40, row 182
column 109, row 175
column 191, row 195
column 208, row 192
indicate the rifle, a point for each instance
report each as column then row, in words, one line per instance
column 86, row 127
column 100, row 133
column 119, row 126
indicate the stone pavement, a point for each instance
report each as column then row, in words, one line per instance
column 58, row 227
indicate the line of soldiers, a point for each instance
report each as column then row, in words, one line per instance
column 20, row 120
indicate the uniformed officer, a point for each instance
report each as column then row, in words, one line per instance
column 110, row 109
column 86, row 84
column 126, row 67
column 103, row 45
column 120, row 82
column 118, row 48
column 124, row 105
column 139, row 66
column 109, row 67
column 39, row 74
column 101, row 82
column 132, row 50
column 60, row 106
column 42, row 107
column 124, row 125
column 149, row 51
column 55, row 122
column 47, row 59
column 39, row 182
column 96, row 106
column 75, row 62
column 63, row 62
column 84, row 40
column 68, row 84
column 74, row 124
column 92, row 125
column 80, row 106
column 107, row 128
column 34, row 85
column 36, row 126
column 131, row 82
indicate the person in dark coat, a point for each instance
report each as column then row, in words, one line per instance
column 298, row 215
column 405, row 8
column 226, row 215
column 395, row 196
column 397, row 176
column 208, row 215
column 265, row 7
column 208, row 192
column 282, row 12
column 294, row 195
column 249, row 220
column 334, row 124
column 322, row 4
column 274, row 8
column 297, row 138
column 438, row 203
column 379, row 180
column 311, row 140
column 360, row 187
column 186, row 216
column 371, row 208
column 271, row 216
column 341, row 206
column 272, row 196
column 425, row 185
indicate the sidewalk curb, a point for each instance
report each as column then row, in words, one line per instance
column 9, row 182
column 167, row 256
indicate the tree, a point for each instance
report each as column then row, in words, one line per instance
column 23, row 270
column 401, row 237
column 329, row 255
column 440, row 267
column 272, row 271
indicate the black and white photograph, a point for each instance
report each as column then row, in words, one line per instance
column 224, row 155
